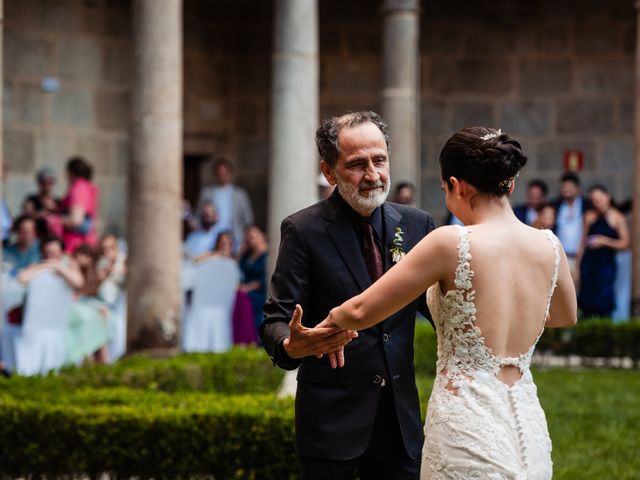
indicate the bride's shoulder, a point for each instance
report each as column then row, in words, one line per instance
column 541, row 233
column 445, row 237
column 446, row 231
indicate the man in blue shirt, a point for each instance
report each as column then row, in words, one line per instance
column 203, row 239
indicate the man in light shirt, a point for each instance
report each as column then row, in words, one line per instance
column 570, row 208
column 232, row 202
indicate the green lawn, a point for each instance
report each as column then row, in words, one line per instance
column 594, row 421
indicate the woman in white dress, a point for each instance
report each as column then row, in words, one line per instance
column 496, row 283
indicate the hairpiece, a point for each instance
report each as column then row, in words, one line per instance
column 489, row 136
column 507, row 182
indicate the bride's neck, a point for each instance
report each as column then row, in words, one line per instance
column 492, row 209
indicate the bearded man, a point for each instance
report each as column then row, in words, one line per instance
column 365, row 416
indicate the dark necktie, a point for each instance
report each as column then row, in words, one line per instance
column 371, row 252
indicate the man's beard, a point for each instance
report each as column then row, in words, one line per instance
column 351, row 194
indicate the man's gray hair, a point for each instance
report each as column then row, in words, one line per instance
column 327, row 134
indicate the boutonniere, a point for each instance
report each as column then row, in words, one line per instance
column 397, row 252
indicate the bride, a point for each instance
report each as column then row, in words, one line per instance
column 496, row 283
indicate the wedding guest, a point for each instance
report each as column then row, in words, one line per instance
column 44, row 201
column 405, row 194
column 527, row 212
column 546, row 217
column 78, row 214
column 30, row 208
column 570, row 209
column 202, row 240
column 605, row 234
column 253, row 265
column 222, row 248
column 224, row 244
column 232, row 202
column 54, row 259
column 112, row 270
column 89, row 328
column 25, row 250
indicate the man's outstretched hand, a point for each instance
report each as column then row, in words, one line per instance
column 304, row 342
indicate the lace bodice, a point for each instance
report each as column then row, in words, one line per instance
column 461, row 346
column 477, row 426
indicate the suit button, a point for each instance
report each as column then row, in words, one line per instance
column 385, row 337
column 377, row 379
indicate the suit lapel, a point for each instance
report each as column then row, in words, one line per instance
column 346, row 242
column 392, row 220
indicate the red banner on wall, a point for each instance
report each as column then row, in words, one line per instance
column 573, row 160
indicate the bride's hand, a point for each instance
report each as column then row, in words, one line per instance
column 336, row 357
column 328, row 323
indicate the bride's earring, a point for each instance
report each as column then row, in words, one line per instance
column 458, row 197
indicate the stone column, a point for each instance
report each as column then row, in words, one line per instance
column 155, row 178
column 635, row 229
column 294, row 113
column 400, row 87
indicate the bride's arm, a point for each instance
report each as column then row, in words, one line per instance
column 563, row 311
column 424, row 265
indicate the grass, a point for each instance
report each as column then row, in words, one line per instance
column 594, row 421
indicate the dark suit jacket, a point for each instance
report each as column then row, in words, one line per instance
column 320, row 265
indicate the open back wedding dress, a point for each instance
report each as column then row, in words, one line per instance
column 477, row 426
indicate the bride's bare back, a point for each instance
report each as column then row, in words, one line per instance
column 513, row 266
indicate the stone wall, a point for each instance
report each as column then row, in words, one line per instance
column 84, row 45
column 556, row 73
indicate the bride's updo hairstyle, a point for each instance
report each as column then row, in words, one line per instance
column 483, row 157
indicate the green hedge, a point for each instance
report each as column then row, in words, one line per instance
column 167, row 418
column 131, row 433
column 158, row 418
column 240, row 370
column 595, row 338
column 425, row 349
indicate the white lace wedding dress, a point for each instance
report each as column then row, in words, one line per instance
column 477, row 426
